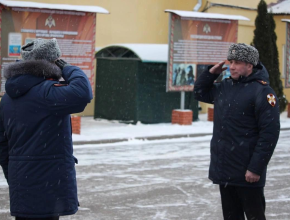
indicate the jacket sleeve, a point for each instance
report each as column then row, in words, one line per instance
column 268, row 118
column 4, row 157
column 71, row 98
column 205, row 88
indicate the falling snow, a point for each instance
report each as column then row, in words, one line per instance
column 161, row 179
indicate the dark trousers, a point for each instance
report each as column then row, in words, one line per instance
column 51, row 218
column 240, row 201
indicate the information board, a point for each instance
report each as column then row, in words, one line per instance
column 195, row 43
column 74, row 31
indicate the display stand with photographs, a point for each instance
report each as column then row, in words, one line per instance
column 197, row 40
column 74, row 30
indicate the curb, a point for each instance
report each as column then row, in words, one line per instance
column 150, row 138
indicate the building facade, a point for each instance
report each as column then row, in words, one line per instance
column 136, row 21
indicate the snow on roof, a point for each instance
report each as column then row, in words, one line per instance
column 83, row 8
column 146, row 52
column 193, row 14
column 280, row 8
column 286, row 20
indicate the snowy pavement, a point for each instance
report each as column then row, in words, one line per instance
column 102, row 131
column 161, row 179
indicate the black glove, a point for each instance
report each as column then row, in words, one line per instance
column 61, row 63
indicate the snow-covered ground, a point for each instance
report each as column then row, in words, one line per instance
column 162, row 179
column 93, row 130
column 104, row 129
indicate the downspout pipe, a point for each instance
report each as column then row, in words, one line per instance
column 198, row 5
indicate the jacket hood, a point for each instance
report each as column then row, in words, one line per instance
column 23, row 75
column 259, row 73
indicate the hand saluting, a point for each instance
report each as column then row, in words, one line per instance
column 218, row 68
column 61, row 63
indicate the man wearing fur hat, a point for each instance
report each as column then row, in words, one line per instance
column 246, row 131
column 36, row 151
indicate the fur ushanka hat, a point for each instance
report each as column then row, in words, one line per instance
column 243, row 52
column 41, row 49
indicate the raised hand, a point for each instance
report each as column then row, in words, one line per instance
column 61, row 63
column 218, row 68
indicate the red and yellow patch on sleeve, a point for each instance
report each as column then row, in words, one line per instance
column 271, row 99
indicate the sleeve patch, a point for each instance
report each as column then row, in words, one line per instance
column 271, row 99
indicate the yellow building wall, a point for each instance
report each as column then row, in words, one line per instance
column 246, row 30
column 281, row 42
column 130, row 21
column 136, row 21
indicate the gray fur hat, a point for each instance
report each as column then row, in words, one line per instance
column 41, row 49
column 243, row 52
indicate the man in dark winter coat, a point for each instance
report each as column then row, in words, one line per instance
column 36, row 151
column 246, row 131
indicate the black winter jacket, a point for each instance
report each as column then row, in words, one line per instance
column 36, row 151
column 246, row 126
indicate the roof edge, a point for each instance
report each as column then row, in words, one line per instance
column 231, row 6
column 281, row 7
column 146, row 52
column 81, row 8
column 117, row 45
column 194, row 14
column 279, row 13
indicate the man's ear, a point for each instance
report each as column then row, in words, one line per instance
column 250, row 66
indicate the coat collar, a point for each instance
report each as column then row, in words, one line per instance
column 39, row 68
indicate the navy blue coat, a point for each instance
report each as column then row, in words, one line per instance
column 246, row 126
column 36, row 151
